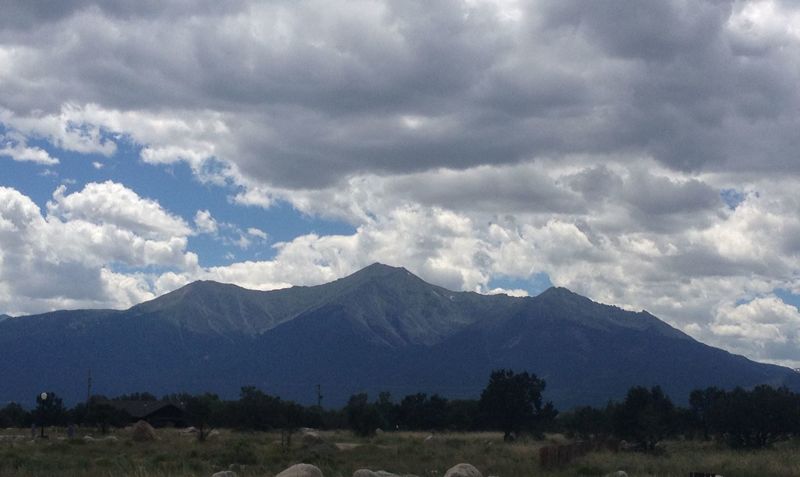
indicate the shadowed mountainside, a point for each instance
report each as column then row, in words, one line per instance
column 381, row 328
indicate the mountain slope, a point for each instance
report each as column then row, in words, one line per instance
column 381, row 328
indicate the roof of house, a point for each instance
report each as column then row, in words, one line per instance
column 141, row 409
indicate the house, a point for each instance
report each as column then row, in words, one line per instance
column 156, row 413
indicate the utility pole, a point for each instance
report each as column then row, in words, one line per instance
column 319, row 396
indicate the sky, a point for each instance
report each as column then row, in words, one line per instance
column 641, row 153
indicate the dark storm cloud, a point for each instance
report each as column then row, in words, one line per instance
column 399, row 87
column 26, row 14
column 658, row 196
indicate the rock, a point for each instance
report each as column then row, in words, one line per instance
column 619, row 473
column 373, row 473
column 463, row 470
column 378, row 431
column 301, row 470
column 310, row 438
column 143, row 432
column 430, row 438
column 190, row 430
column 88, row 438
column 226, row 473
column 111, row 438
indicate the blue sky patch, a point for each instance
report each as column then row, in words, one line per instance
column 536, row 284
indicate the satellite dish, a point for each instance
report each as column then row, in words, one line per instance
column 43, row 396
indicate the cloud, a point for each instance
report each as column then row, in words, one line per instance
column 463, row 140
column 205, row 223
column 66, row 259
column 765, row 328
column 257, row 233
column 113, row 203
column 403, row 89
column 14, row 147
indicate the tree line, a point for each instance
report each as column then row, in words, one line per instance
column 511, row 402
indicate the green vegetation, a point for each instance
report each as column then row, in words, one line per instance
column 738, row 432
column 179, row 454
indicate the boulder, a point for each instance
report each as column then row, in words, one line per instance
column 310, row 438
column 463, row 470
column 301, row 470
column 225, row 473
column 142, row 432
column 373, row 473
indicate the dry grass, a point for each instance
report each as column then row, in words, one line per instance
column 175, row 454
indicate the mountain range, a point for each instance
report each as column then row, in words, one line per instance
column 379, row 329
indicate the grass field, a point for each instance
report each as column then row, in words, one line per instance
column 176, row 454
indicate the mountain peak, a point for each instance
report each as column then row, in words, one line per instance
column 561, row 293
column 380, row 269
column 378, row 272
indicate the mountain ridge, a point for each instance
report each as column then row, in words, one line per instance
column 381, row 328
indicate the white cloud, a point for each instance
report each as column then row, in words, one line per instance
column 69, row 129
column 113, row 203
column 66, row 258
column 516, row 292
column 257, row 233
column 463, row 140
column 205, row 223
column 765, row 328
column 15, row 147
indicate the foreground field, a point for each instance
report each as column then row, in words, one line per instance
column 177, row 454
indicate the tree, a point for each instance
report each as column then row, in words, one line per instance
column 704, row 406
column 756, row 418
column 646, row 416
column 387, row 409
column 259, row 411
column 513, row 403
column 50, row 410
column 461, row 414
column 362, row 416
column 201, row 411
column 13, row 415
column 97, row 412
column 145, row 396
column 587, row 422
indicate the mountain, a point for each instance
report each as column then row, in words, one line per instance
column 381, row 328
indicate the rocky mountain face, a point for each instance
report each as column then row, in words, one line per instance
column 380, row 329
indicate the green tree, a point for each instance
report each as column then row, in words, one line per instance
column 587, row 422
column 13, row 415
column 363, row 417
column 645, row 417
column 50, row 411
column 202, row 412
column 100, row 414
column 704, row 407
column 512, row 402
column 757, row 418
column 259, row 411
column 387, row 409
